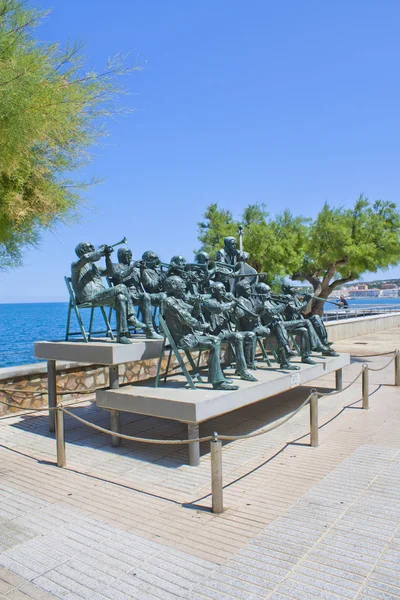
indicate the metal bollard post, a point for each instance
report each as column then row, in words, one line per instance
column 116, row 427
column 397, row 368
column 216, row 475
column 114, row 377
column 113, row 372
column 339, row 379
column 314, row 420
column 365, row 387
column 52, row 393
column 60, row 438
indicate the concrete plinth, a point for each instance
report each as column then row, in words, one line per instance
column 101, row 351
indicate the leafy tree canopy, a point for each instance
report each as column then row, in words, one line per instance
column 51, row 112
column 336, row 247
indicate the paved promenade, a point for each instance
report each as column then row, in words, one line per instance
column 134, row 522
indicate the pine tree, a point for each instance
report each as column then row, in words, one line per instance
column 51, row 112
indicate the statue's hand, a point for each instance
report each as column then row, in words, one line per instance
column 105, row 250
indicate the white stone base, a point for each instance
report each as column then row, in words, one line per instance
column 174, row 401
column 101, row 351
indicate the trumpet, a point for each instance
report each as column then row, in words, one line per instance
column 139, row 263
column 164, row 265
column 123, row 241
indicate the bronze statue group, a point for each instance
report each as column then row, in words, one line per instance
column 202, row 304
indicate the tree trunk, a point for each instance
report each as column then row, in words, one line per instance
column 322, row 287
column 317, row 306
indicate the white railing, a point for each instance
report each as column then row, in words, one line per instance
column 355, row 311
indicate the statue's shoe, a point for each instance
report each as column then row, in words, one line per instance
column 223, row 385
column 330, row 352
column 308, row 361
column 134, row 322
column 252, row 366
column 246, row 376
column 153, row 335
column 290, row 352
column 122, row 339
column 321, row 348
column 289, row 367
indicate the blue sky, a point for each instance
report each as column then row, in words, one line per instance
column 288, row 103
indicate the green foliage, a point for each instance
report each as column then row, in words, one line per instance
column 336, row 247
column 274, row 245
column 218, row 225
column 51, row 113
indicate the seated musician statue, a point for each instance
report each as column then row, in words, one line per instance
column 249, row 313
column 189, row 334
column 152, row 278
column 205, row 271
column 177, row 266
column 127, row 272
column 216, row 312
column 315, row 326
column 272, row 317
column 244, row 315
column 86, row 279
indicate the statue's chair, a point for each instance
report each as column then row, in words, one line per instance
column 170, row 346
column 73, row 306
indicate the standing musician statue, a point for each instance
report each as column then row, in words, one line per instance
column 229, row 253
column 189, row 334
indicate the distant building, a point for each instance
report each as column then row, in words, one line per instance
column 389, row 286
column 390, row 292
column 355, row 292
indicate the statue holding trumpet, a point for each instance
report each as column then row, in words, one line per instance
column 86, row 279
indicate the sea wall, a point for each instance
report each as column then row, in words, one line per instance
column 349, row 328
column 26, row 385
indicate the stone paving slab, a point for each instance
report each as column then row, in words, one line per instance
column 134, row 522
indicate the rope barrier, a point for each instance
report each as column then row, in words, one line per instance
column 372, row 355
column 202, row 439
column 267, row 429
column 343, row 389
column 384, row 367
column 208, row 438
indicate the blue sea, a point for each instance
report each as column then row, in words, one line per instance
column 23, row 324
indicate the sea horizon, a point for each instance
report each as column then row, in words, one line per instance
column 24, row 323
